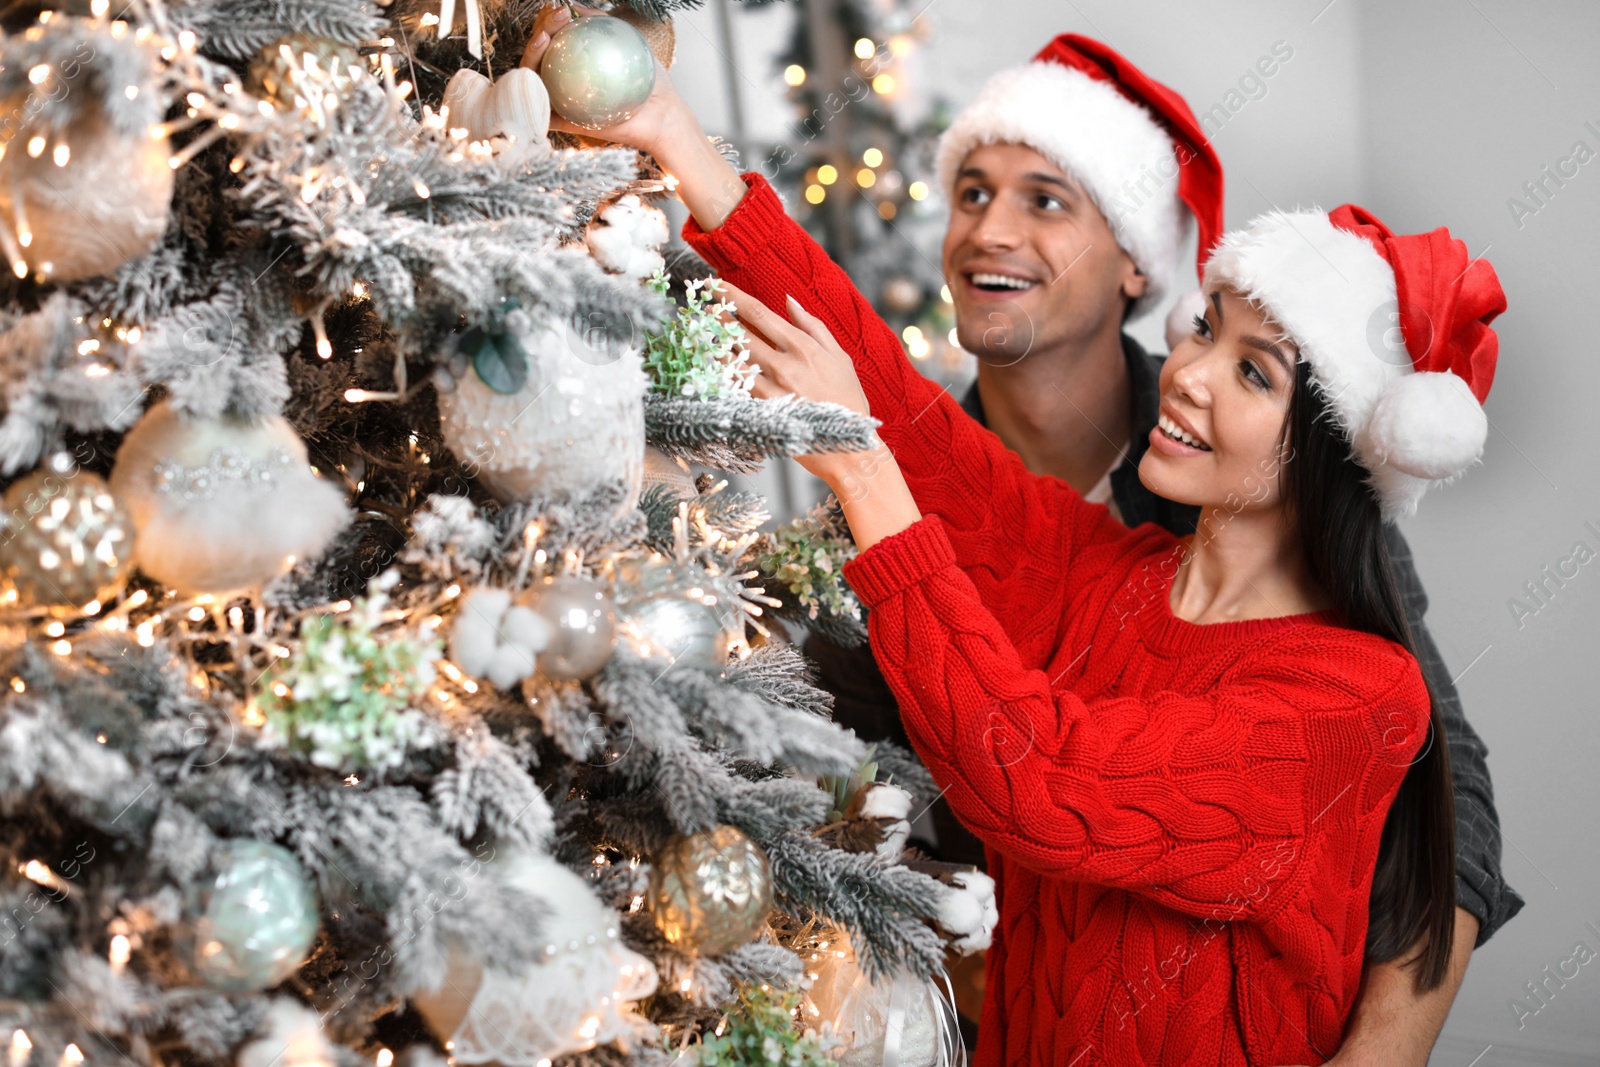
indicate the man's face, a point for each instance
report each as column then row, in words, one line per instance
column 1030, row 261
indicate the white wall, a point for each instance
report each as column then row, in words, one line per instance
column 1466, row 102
column 1428, row 113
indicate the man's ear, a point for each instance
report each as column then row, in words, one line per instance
column 1134, row 281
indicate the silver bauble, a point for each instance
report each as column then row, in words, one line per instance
column 679, row 612
column 599, row 71
column 255, row 922
column 710, row 892
column 66, row 541
column 688, row 632
column 584, row 622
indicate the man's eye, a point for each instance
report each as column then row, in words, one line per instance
column 1050, row 203
column 974, row 194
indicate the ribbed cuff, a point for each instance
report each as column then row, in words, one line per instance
column 900, row 561
column 747, row 229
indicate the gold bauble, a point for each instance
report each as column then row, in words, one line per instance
column 66, row 542
column 287, row 72
column 92, row 199
column 710, row 892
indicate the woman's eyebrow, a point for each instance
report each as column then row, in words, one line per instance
column 1263, row 345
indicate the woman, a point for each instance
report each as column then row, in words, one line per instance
column 1180, row 753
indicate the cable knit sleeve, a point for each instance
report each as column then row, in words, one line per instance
column 1206, row 803
column 997, row 512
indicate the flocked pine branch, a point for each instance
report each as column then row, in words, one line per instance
column 740, row 434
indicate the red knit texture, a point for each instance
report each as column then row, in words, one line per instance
column 1182, row 820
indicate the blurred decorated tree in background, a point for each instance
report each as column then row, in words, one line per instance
column 859, row 170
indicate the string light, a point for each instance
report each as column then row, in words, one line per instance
column 120, row 951
column 20, row 1047
column 865, row 49
column 872, row 157
column 794, row 75
column 38, row 873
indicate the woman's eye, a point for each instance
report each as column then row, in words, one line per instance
column 1253, row 373
column 1202, row 328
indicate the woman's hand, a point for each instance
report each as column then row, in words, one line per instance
column 801, row 358
column 798, row 357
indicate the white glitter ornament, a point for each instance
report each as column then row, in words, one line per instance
column 572, row 421
column 579, row 995
column 221, row 505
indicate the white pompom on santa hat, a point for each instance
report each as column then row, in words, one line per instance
column 1395, row 328
column 1132, row 143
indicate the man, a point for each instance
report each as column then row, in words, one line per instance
column 1074, row 182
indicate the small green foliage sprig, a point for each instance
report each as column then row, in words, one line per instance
column 698, row 352
column 762, row 1030
column 343, row 698
column 808, row 556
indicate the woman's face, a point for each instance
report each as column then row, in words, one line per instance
column 1226, row 387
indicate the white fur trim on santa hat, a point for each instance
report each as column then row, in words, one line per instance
column 1110, row 145
column 1334, row 295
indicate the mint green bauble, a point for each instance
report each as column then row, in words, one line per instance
column 255, row 922
column 599, row 71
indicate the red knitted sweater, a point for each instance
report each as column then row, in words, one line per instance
column 1182, row 820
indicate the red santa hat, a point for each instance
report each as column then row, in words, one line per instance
column 1131, row 142
column 1395, row 328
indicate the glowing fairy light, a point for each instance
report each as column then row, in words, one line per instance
column 121, row 950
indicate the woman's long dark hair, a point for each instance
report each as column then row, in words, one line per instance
column 1414, row 886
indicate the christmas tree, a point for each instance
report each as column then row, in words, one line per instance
column 378, row 684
